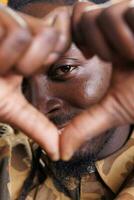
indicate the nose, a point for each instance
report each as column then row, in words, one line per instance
column 48, row 105
column 53, row 105
column 44, row 97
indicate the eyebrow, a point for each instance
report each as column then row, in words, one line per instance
column 69, row 58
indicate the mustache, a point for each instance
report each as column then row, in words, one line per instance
column 62, row 118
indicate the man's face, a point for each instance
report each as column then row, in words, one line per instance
column 70, row 86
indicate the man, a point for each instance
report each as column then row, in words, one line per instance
column 22, row 37
column 68, row 87
column 91, row 77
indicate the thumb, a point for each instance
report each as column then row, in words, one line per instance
column 88, row 125
column 18, row 112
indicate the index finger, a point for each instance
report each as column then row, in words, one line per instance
column 91, row 123
column 19, row 113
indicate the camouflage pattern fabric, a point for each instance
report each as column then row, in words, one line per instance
column 116, row 172
column 15, row 162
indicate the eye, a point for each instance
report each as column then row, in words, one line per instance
column 63, row 70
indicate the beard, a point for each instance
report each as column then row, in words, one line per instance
column 82, row 163
column 83, row 158
column 79, row 164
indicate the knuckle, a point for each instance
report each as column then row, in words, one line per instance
column 87, row 22
column 49, row 34
column 23, row 69
column 22, row 38
column 63, row 39
column 86, row 18
column 107, row 15
column 64, row 42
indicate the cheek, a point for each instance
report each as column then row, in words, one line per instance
column 97, row 85
column 38, row 90
column 90, row 86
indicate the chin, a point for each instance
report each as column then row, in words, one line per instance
column 78, row 164
column 81, row 160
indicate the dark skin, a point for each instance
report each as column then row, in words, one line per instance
column 114, row 43
column 104, row 30
column 85, row 88
column 114, row 110
column 70, row 86
column 19, row 37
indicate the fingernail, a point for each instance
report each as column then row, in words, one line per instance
column 55, row 157
column 67, row 156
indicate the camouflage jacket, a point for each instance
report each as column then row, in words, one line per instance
column 115, row 172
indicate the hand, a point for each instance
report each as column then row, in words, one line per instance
column 114, row 110
column 117, row 107
column 22, row 38
column 106, row 30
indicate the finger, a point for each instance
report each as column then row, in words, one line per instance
column 63, row 26
column 16, row 40
column 39, row 50
column 77, row 13
column 11, row 19
column 129, row 16
column 94, row 39
column 2, row 32
column 119, row 35
column 93, row 122
column 51, row 45
column 12, row 48
column 18, row 112
column 34, row 24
